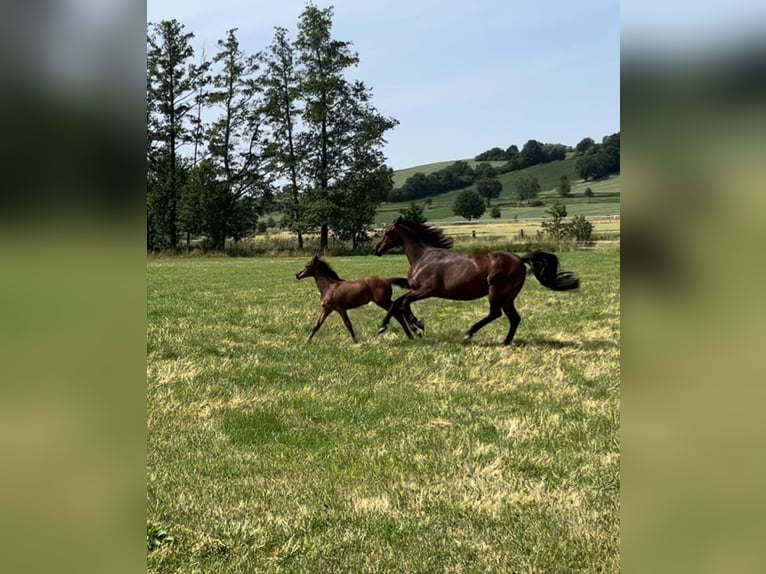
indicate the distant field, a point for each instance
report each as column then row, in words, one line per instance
column 605, row 203
column 266, row 453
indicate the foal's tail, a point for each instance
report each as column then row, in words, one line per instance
column 545, row 266
column 400, row 282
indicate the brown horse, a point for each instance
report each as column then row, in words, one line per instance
column 339, row 295
column 435, row 271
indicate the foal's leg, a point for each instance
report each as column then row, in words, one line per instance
column 347, row 323
column 322, row 316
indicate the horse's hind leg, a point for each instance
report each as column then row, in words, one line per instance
column 515, row 319
column 347, row 323
column 494, row 313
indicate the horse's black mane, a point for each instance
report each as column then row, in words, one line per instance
column 327, row 270
column 432, row 236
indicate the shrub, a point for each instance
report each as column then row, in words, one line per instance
column 495, row 212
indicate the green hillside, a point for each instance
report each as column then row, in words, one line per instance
column 402, row 175
column 606, row 200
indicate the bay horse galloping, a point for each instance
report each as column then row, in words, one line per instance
column 339, row 295
column 436, row 271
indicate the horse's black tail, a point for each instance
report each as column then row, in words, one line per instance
column 400, row 282
column 545, row 266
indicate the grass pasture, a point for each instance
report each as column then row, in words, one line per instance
column 270, row 454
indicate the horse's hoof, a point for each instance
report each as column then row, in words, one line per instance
column 467, row 337
column 382, row 330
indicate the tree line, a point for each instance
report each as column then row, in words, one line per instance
column 234, row 136
column 594, row 161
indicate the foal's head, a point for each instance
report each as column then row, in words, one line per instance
column 395, row 234
column 317, row 268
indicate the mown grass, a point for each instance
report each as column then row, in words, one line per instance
column 270, row 454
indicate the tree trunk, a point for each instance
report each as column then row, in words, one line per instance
column 300, row 241
column 324, row 236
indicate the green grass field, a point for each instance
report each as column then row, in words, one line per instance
column 270, row 454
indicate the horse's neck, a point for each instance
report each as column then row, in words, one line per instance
column 414, row 251
column 323, row 283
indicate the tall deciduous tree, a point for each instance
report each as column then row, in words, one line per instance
column 343, row 131
column 235, row 142
column 170, row 90
column 282, row 109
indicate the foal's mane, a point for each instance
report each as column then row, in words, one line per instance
column 432, row 236
column 326, row 270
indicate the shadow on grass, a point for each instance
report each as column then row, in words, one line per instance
column 540, row 342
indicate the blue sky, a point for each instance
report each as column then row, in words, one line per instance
column 460, row 77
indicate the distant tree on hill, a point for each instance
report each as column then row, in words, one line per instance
column 455, row 176
column 588, row 193
column 469, row 204
column 495, row 212
column 564, row 188
column 527, row 187
column 531, row 154
column 585, row 145
column 493, row 154
column 489, row 188
column 484, row 171
column 601, row 159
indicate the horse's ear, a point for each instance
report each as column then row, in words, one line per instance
column 316, row 257
column 398, row 219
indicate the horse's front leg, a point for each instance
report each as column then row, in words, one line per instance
column 322, row 316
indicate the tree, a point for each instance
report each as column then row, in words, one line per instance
column 355, row 201
column 282, row 111
column 580, row 228
column 588, row 193
column 527, row 187
column 469, row 204
column 531, row 154
column 171, row 88
column 556, row 228
column 343, row 134
column 235, row 141
column 584, row 146
column 489, row 188
column 495, row 212
column 564, row 188
column 484, row 171
column 413, row 213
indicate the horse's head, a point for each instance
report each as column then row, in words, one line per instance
column 392, row 237
column 309, row 270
